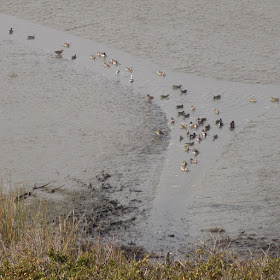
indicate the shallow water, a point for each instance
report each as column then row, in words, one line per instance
column 228, row 40
column 64, row 118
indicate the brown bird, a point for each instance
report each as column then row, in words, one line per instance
column 159, row 132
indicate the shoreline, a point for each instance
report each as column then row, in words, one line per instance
column 173, row 195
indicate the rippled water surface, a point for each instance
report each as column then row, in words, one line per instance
column 229, row 40
column 64, row 118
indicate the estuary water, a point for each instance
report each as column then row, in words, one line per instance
column 64, row 119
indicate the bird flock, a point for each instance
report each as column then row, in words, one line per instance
column 191, row 130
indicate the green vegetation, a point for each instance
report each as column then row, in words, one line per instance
column 33, row 248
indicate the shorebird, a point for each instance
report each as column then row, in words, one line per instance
column 182, row 113
column 181, row 138
column 172, row 121
column 149, row 97
column 192, row 108
column 31, row 37
column 59, row 52
column 11, row 31
column 198, row 138
column 128, row 69
column 159, row 132
column 66, row 45
column 160, row 73
column 117, row 70
column 176, row 86
column 274, row 99
column 74, row 57
column 253, row 100
column 184, row 90
column 106, row 64
column 131, row 79
column 92, row 56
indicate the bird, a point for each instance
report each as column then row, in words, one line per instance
column 184, row 90
column 160, row 73
column 192, row 136
column 253, row 100
column 217, row 97
column 193, row 161
column 195, row 152
column 217, row 112
column 114, row 62
column 203, row 133
column 181, row 113
column 232, row 125
column 149, row 97
column 176, row 86
column 207, row 127
column 186, row 148
column 92, row 56
column 159, row 132
column 172, row 121
column 74, row 57
column 215, row 137
column 106, row 65
column 66, row 45
column 181, row 138
column 274, row 99
column 192, row 108
column 192, row 125
column 102, row 54
column 128, row 69
column 183, row 126
column 59, row 52
column 189, row 144
column 184, row 166
column 117, row 70
column 11, row 31
column 31, row 37
column 166, row 96
column 198, row 138
column 131, row 79
column 180, row 106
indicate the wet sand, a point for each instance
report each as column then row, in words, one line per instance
column 70, row 122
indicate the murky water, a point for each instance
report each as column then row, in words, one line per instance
column 63, row 117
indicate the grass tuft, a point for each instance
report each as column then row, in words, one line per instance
column 32, row 247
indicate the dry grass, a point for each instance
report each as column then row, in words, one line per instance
column 33, row 248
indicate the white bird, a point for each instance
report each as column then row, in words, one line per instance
column 131, row 79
